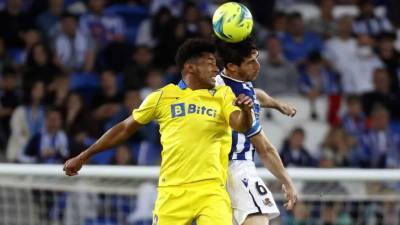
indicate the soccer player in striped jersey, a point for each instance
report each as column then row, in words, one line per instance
column 196, row 121
column 252, row 202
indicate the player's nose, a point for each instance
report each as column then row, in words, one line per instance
column 215, row 70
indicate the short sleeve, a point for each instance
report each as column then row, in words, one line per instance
column 228, row 104
column 147, row 111
column 255, row 129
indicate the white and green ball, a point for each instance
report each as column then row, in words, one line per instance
column 232, row 22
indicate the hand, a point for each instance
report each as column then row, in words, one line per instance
column 244, row 102
column 291, row 196
column 287, row 109
column 73, row 165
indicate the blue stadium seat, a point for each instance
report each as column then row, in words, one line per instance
column 17, row 55
column 132, row 16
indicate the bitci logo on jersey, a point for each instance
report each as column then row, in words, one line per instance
column 181, row 109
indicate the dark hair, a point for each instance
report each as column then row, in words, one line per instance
column 235, row 52
column 364, row 2
column 294, row 16
column 9, row 71
column 30, row 58
column 314, row 57
column 67, row 15
column 298, row 130
column 50, row 109
column 192, row 48
column 353, row 98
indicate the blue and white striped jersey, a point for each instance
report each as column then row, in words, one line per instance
column 242, row 149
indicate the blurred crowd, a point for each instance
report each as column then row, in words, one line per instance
column 71, row 69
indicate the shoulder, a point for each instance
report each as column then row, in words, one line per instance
column 167, row 88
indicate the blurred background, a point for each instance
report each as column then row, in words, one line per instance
column 71, row 69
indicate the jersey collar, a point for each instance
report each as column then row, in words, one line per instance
column 230, row 78
column 182, row 85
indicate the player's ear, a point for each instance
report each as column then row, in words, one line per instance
column 189, row 67
column 232, row 67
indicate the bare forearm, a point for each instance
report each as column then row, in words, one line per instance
column 274, row 164
column 266, row 101
column 114, row 136
column 243, row 121
column 271, row 159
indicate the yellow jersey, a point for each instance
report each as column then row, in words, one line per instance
column 195, row 132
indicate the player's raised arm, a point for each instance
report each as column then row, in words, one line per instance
column 242, row 120
column 114, row 136
column 272, row 161
column 118, row 133
column 266, row 101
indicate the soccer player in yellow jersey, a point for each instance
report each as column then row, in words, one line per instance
column 196, row 119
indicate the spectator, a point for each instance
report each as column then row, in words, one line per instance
column 381, row 95
column 132, row 100
column 154, row 81
column 79, row 125
column 57, row 91
column 190, row 16
column 279, row 24
column 205, row 28
column 157, row 28
column 335, row 213
column 353, row 120
column 73, row 49
column 39, row 66
column 293, row 153
column 107, row 102
column 325, row 25
column 336, row 149
column 173, row 35
column 19, row 56
column 277, row 75
column 369, row 24
column 297, row 43
column 299, row 216
column 26, row 120
column 102, row 28
column 4, row 58
column 136, row 71
column 50, row 146
column 391, row 58
column 174, row 6
column 357, row 74
column 47, row 21
column 9, row 100
column 316, row 79
column 123, row 156
column 380, row 144
column 13, row 22
column 341, row 48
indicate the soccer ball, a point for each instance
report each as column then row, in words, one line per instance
column 232, row 22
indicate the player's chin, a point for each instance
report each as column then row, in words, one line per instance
column 212, row 82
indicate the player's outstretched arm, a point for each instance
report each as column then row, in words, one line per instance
column 114, row 136
column 272, row 161
column 266, row 101
column 242, row 120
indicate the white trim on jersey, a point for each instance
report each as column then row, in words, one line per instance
column 230, row 78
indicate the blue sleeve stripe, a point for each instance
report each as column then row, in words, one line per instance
column 254, row 130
